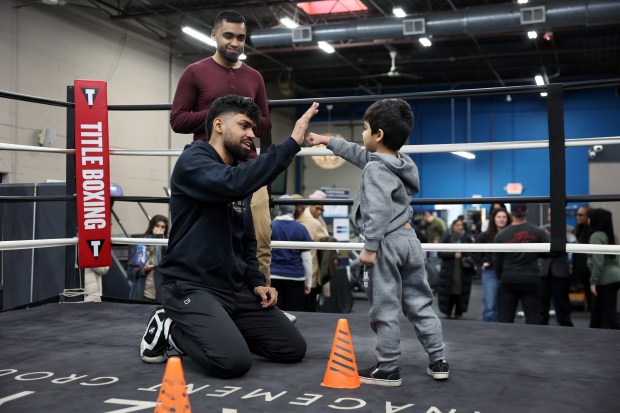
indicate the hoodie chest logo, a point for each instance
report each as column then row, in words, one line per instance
column 238, row 207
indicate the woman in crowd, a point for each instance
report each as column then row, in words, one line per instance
column 144, row 261
column 605, row 273
column 457, row 271
column 490, row 284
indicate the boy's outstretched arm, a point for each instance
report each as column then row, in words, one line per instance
column 314, row 139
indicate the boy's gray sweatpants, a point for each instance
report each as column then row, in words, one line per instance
column 398, row 278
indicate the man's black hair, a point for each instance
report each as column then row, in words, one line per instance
column 231, row 104
column 230, row 16
column 394, row 117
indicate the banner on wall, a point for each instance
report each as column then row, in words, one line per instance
column 92, row 173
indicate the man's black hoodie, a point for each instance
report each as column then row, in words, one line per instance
column 212, row 241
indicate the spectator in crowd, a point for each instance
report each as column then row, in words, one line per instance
column 457, row 272
column 581, row 272
column 518, row 272
column 291, row 268
column 434, row 227
column 490, row 284
column 497, row 205
column 555, row 283
column 317, row 233
column 317, row 210
column 605, row 278
column 93, row 283
column 144, row 261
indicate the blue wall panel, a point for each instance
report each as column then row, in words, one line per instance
column 594, row 113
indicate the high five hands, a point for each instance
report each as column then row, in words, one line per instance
column 301, row 126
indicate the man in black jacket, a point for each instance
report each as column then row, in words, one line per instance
column 519, row 271
column 217, row 307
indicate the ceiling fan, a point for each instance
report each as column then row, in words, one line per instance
column 393, row 72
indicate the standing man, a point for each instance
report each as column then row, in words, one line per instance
column 434, row 227
column 555, row 282
column 519, row 271
column 222, row 74
column 217, row 306
column 317, row 233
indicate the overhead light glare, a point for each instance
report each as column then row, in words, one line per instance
column 463, row 154
column 243, row 56
column 532, row 34
column 543, row 94
column 199, row 36
column 425, row 41
column 522, row 1
column 327, row 48
column 539, row 80
column 288, row 22
column 399, row 12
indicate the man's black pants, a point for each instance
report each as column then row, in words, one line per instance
column 219, row 329
column 559, row 289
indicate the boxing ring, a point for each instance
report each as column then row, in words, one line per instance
column 71, row 356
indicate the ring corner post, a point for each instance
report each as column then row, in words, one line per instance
column 72, row 273
column 557, row 165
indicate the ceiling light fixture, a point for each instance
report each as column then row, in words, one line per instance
column 288, row 22
column 463, row 154
column 532, row 35
column 539, row 80
column 243, row 56
column 199, row 36
column 327, row 48
column 522, row 1
column 425, row 41
column 399, row 12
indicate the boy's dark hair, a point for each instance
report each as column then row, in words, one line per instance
column 230, row 16
column 394, row 117
column 232, row 104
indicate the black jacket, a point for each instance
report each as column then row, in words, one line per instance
column 212, row 241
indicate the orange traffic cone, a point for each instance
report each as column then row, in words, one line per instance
column 173, row 393
column 341, row 372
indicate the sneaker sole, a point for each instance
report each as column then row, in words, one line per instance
column 380, row 382
column 438, row 376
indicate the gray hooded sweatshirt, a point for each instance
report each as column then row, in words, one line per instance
column 382, row 203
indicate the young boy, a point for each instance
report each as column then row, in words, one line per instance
column 392, row 252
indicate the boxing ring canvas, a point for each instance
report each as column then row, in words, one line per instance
column 78, row 357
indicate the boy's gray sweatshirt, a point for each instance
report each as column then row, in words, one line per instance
column 382, row 203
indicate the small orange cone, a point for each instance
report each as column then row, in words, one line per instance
column 341, row 372
column 173, row 393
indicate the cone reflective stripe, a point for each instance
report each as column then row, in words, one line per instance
column 173, row 396
column 341, row 371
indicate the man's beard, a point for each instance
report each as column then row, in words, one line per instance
column 238, row 152
column 228, row 56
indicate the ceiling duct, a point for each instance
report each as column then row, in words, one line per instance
column 491, row 19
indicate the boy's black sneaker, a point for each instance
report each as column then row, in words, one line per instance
column 378, row 377
column 440, row 370
column 155, row 340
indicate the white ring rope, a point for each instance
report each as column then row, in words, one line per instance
column 440, row 148
column 345, row 246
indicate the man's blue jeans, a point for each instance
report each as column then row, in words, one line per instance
column 490, row 295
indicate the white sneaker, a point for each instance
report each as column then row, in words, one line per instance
column 290, row 316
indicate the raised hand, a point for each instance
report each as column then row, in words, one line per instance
column 302, row 123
